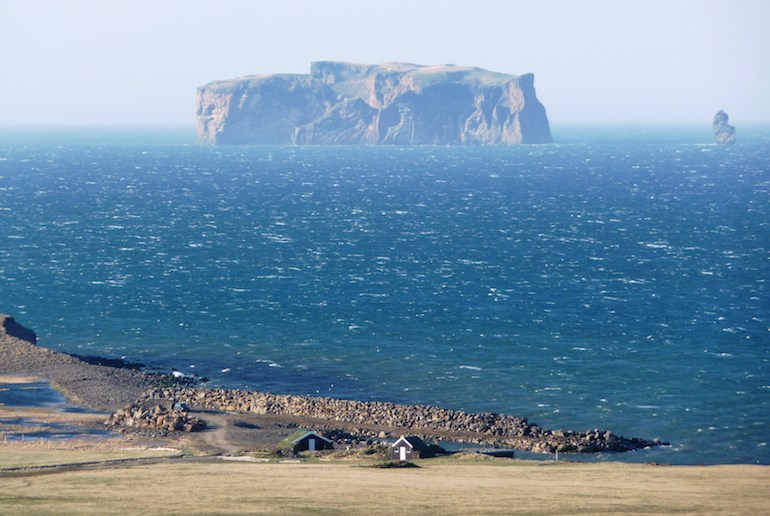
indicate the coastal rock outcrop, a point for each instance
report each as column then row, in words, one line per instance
column 391, row 103
column 8, row 326
column 723, row 132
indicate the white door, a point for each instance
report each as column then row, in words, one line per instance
column 311, row 444
column 402, row 453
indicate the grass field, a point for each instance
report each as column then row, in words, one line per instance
column 439, row 486
column 39, row 455
column 446, row 486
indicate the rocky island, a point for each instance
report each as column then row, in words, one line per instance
column 723, row 132
column 391, row 103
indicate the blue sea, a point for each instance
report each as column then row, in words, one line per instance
column 615, row 279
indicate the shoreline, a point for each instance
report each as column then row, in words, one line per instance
column 109, row 386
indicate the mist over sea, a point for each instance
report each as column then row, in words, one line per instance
column 617, row 279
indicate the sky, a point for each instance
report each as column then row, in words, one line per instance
column 139, row 62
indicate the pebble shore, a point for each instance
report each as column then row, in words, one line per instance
column 96, row 386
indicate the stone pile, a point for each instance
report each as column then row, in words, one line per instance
column 156, row 418
column 429, row 421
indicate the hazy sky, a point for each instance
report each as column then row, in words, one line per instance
column 137, row 62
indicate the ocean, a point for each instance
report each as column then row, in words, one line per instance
column 617, row 279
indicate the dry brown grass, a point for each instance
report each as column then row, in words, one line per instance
column 443, row 486
column 42, row 454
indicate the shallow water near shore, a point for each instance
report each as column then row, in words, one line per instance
column 30, row 394
column 614, row 280
column 38, row 394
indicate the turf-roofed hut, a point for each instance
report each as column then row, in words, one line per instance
column 411, row 447
column 306, row 440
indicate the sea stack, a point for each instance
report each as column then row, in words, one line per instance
column 723, row 132
column 392, row 103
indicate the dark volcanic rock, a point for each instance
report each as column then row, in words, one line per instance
column 10, row 327
column 392, row 103
column 723, row 132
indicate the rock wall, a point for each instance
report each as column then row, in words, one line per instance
column 425, row 420
column 392, row 103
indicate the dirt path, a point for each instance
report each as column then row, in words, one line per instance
column 215, row 435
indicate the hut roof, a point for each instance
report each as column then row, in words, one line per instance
column 308, row 433
column 413, row 441
column 300, row 434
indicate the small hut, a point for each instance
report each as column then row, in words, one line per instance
column 411, row 447
column 307, row 440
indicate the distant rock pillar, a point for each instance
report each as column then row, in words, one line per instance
column 723, row 132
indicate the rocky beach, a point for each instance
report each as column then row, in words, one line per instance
column 144, row 401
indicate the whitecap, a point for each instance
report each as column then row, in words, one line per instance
column 279, row 239
column 472, row 368
column 225, row 370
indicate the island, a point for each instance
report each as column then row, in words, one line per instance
column 391, row 103
column 724, row 133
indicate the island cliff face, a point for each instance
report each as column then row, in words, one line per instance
column 392, row 103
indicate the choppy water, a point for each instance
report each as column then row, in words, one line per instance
column 615, row 280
